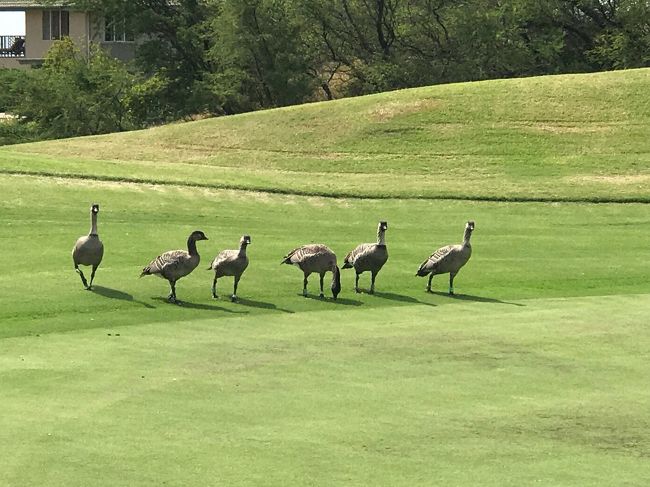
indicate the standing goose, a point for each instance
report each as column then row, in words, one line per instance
column 88, row 250
column 368, row 257
column 230, row 263
column 316, row 258
column 448, row 259
column 174, row 264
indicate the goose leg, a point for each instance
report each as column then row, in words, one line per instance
column 372, row 283
column 304, row 285
column 451, row 283
column 322, row 276
column 172, row 297
column 234, row 291
column 356, row 283
column 81, row 274
column 429, row 284
column 214, row 287
column 92, row 277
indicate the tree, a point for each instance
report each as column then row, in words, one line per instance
column 259, row 56
column 73, row 95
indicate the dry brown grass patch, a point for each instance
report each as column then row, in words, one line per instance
column 617, row 179
column 563, row 128
column 390, row 110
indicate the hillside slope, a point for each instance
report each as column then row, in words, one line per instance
column 571, row 137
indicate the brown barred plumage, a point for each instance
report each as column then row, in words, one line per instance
column 89, row 249
column 368, row 257
column 174, row 264
column 230, row 263
column 448, row 259
column 316, row 258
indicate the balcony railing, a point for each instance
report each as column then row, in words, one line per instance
column 12, row 46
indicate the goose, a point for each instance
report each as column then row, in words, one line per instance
column 368, row 257
column 89, row 250
column 448, row 259
column 174, row 264
column 230, row 263
column 317, row 258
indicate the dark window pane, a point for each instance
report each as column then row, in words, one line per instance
column 119, row 30
column 65, row 23
column 46, row 25
column 56, row 32
column 108, row 28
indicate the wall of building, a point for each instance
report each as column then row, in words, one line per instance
column 36, row 47
column 124, row 51
column 83, row 26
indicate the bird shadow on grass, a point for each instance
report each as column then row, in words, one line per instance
column 206, row 307
column 261, row 304
column 401, row 297
column 478, row 299
column 107, row 292
column 343, row 301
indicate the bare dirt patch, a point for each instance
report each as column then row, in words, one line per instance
column 391, row 110
column 562, row 128
column 618, row 179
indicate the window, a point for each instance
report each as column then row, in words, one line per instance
column 56, row 24
column 116, row 30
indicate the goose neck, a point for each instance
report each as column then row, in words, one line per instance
column 242, row 249
column 466, row 237
column 191, row 246
column 381, row 236
column 93, row 223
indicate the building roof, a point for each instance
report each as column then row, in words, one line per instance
column 27, row 4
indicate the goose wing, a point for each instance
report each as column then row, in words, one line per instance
column 361, row 252
column 439, row 257
column 441, row 254
column 304, row 253
column 224, row 257
column 167, row 263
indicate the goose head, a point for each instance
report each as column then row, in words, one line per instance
column 383, row 226
column 469, row 228
column 198, row 235
column 94, row 209
column 245, row 239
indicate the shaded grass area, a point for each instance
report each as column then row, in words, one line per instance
column 572, row 137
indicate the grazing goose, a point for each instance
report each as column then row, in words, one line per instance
column 368, row 257
column 448, row 259
column 174, row 264
column 88, row 250
column 230, row 263
column 316, row 258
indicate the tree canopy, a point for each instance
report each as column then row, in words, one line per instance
column 231, row 56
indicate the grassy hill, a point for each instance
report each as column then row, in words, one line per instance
column 535, row 373
column 581, row 137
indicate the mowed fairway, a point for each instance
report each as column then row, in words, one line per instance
column 536, row 373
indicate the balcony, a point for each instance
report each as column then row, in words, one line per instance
column 12, row 46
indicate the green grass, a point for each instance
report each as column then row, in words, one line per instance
column 581, row 137
column 535, row 374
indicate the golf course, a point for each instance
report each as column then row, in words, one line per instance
column 536, row 372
